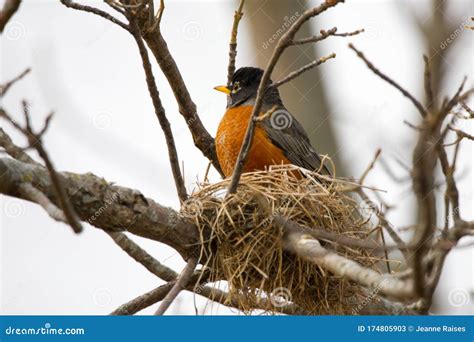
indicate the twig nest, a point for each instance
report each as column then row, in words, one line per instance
column 244, row 247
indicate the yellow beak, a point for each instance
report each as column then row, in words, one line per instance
column 223, row 89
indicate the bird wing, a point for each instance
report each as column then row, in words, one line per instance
column 289, row 135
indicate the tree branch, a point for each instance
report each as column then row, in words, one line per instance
column 387, row 79
column 96, row 11
column 181, row 282
column 143, row 301
column 233, row 42
column 160, row 112
column 34, row 140
column 105, row 206
column 311, row 250
column 5, row 87
column 13, row 150
column 202, row 139
column 142, row 257
column 325, row 34
column 34, row 195
column 9, row 9
column 301, row 70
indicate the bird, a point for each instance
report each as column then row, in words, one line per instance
column 278, row 136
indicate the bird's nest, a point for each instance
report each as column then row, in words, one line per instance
column 245, row 249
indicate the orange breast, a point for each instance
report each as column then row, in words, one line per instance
column 229, row 138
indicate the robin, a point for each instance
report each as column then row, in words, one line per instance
column 278, row 137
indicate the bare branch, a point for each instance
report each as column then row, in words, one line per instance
column 151, row 84
column 5, row 87
column 467, row 109
column 105, row 206
column 428, row 149
column 13, row 150
column 35, row 141
column 150, row 31
column 301, row 70
column 311, row 250
column 154, row 296
column 415, row 102
column 142, row 257
column 451, row 188
column 116, row 6
column 457, row 98
column 29, row 192
column 233, row 41
column 461, row 134
column 409, row 124
column 160, row 113
column 202, row 139
column 325, row 34
column 371, row 166
column 180, row 284
column 9, row 9
column 143, row 301
column 385, row 223
column 96, row 11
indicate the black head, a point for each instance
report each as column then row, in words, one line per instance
column 244, row 86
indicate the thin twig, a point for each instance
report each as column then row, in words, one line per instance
column 143, row 301
column 409, row 124
column 371, row 166
column 402, row 246
column 301, row 70
column 325, row 34
column 96, row 11
column 35, row 141
column 142, row 257
column 457, row 98
column 361, row 181
column 13, row 150
column 56, row 180
column 158, row 294
column 5, row 87
column 32, row 194
column 180, row 284
column 415, row 102
column 467, row 109
column 160, row 112
column 116, row 6
column 461, row 134
column 187, row 108
column 233, row 42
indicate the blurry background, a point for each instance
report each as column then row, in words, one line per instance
column 89, row 72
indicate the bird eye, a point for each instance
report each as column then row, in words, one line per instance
column 236, row 87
